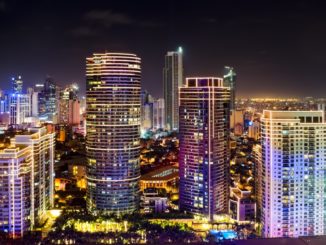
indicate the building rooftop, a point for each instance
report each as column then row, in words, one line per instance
column 164, row 173
column 11, row 149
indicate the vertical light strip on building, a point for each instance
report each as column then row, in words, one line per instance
column 204, row 147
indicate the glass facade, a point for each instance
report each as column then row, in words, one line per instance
column 204, row 146
column 113, row 132
column 172, row 80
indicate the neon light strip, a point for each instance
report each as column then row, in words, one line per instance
column 120, row 180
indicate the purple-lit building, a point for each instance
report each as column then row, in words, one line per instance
column 292, row 166
column 204, row 146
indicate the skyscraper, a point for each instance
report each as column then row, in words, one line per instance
column 229, row 79
column 113, row 132
column 204, row 146
column 17, row 85
column 68, row 105
column 146, row 111
column 172, row 80
column 26, row 180
column 39, row 89
column 34, row 102
column 19, row 108
column 42, row 146
column 293, row 173
column 158, row 114
column 15, row 177
column 49, row 98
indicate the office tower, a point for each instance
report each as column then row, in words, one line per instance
column 39, row 89
column 237, row 118
column 146, row 97
column 49, row 98
column 82, row 104
column 158, row 114
column 229, row 79
column 4, row 111
column 26, row 180
column 42, row 146
column 15, row 177
column 146, row 110
column 2, row 101
column 254, row 130
column 20, row 108
column 17, row 85
column 293, row 167
column 74, row 112
column 147, row 122
column 172, row 80
column 34, row 102
column 113, row 132
column 68, row 105
column 204, row 146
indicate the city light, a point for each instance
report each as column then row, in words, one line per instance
column 112, row 133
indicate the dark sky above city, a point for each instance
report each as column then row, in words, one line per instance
column 278, row 48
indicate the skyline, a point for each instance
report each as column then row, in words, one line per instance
column 275, row 42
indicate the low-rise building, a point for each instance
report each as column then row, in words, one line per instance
column 242, row 206
column 164, row 178
column 152, row 202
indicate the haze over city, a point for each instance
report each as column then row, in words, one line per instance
column 162, row 122
column 274, row 45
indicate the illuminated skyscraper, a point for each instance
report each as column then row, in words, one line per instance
column 34, row 102
column 17, row 85
column 113, row 132
column 68, row 105
column 172, row 80
column 146, row 111
column 204, row 146
column 50, row 98
column 42, row 146
column 15, row 177
column 26, row 179
column 19, row 108
column 158, row 114
column 293, row 163
column 229, row 79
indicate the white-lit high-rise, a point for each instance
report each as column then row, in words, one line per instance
column 42, row 145
column 19, row 108
column 26, row 180
column 172, row 80
column 15, row 178
column 158, row 114
column 113, row 132
column 293, row 162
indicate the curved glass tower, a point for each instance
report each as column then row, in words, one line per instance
column 113, row 132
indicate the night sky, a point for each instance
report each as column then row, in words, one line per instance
column 278, row 48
